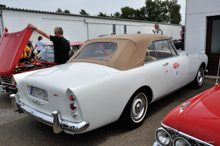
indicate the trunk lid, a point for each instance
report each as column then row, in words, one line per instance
column 56, row 81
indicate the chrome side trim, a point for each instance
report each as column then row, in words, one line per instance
column 55, row 120
column 186, row 135
column 195, row 139
column 169, row 128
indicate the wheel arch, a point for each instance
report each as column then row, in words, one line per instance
column 149, row 94
column 146, row 89
column 203, row 65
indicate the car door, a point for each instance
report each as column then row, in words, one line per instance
column 154, row 73
column 175, row 66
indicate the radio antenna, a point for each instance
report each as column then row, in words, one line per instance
column 217, row 73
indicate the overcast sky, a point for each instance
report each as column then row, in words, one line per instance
column 93, row 7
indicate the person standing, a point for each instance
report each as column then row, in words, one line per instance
column 26, row 55
column 29, row 44
column 39, row 44
column 157, row 29
column 61, row 45
column 182, row 33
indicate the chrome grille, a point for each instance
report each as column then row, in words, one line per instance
column 6, row 79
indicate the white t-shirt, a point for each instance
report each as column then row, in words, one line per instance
column 40, row 45
column 159, row 32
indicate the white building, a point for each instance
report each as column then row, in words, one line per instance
column 77, row 28
column 203, row 30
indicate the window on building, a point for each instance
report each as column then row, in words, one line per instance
column 125, row 29
column 114, row 29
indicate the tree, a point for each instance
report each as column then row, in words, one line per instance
column 67, row 12
column 117, row 15
column 102, row 14
column 59, row 10
column 174, row 11
column 167, row 11
column 83, row 12
column 127, row 13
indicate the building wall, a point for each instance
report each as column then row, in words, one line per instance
column 74, row 27
column 77, row 28
column 1, row 25
column 197, row 12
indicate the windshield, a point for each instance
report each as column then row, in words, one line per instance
column 47, row 54
column 98, row 51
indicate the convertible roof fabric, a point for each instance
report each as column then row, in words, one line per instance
column 11, row 47
column 130, row 53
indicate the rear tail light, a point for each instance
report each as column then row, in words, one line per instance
column 73, row 106
column 72, row 97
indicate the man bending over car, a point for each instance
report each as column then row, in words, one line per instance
column 61, row 45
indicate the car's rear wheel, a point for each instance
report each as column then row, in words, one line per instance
column 135, row 111
column 199, row 79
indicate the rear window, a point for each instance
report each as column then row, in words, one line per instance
column 98, row 51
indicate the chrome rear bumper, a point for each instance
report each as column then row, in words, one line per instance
column 55, row 120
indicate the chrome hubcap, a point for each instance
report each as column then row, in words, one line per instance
column 200, row 77
column 139, row 107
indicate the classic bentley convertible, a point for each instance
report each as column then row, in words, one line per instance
column 193, row 123
column 95, row 88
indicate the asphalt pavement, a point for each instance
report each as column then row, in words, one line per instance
column 21, row 129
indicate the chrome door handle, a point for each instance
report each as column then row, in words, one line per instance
column 165, row 64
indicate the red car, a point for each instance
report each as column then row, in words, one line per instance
column 196, row 122
column 11, row 48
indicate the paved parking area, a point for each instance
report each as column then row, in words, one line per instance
column 21, row 129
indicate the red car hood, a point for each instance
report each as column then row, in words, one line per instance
column 11, row 48
column 201, row 118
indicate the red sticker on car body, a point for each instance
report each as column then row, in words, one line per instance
column 176, row 65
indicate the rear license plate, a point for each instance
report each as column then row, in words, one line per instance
column 39, row 93
column 2, row 89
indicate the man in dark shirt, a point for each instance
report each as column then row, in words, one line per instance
column 61, row 45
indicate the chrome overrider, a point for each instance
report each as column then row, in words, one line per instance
column 55, row 120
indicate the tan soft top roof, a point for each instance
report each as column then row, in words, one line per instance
column 130, row 53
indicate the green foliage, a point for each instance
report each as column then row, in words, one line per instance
column 59, row 10
column 167, row 11
column 67, row 12
column 83, row 12
column 127, row 13
column 103, row 15
column 117, row 15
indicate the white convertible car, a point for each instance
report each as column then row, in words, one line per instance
column 111, row 78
